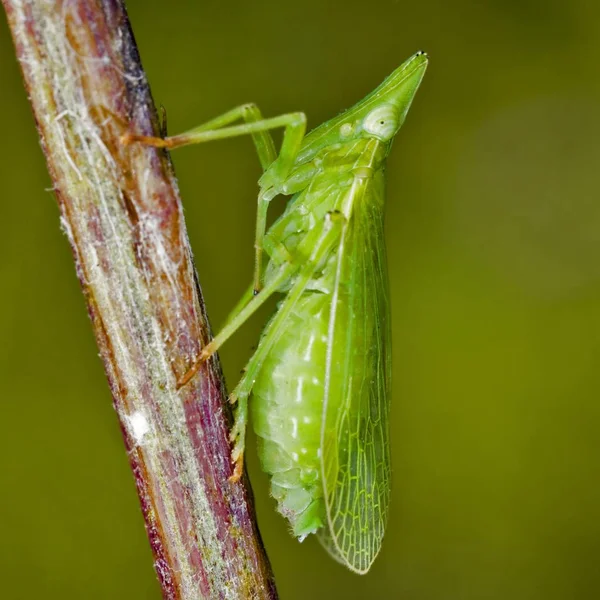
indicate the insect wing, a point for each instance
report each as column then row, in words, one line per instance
column 355, row 431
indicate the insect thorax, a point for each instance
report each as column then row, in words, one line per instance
column 319, row 185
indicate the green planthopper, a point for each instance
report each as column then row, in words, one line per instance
column 320, row 376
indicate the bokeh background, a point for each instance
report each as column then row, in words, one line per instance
column 493, row 230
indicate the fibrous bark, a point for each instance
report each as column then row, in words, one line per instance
column 121, row 212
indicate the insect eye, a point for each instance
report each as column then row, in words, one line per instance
column 382, row 122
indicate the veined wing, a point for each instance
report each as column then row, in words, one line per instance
column 355, row 432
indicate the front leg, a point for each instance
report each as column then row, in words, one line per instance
column 249, row 113
column 276, row 167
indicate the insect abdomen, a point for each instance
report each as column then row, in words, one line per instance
column 287, row 411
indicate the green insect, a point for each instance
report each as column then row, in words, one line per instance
column 320, row 376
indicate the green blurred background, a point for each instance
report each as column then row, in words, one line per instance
column 493, row 230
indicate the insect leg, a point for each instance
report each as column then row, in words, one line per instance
column 300, row 262
column 246, row 297
column 244, row 310
column 276, row 167
column 272, row 248
column 263, row 141
column 294, row 125
column 327, row 236
column 236, row 320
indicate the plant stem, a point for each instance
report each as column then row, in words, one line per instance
column 121, row 212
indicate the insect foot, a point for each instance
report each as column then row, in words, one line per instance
column 238, row 467
column 204, row 355
column 129, row 138
column 187, row 376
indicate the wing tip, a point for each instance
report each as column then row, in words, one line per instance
column 331, row 544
